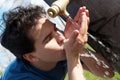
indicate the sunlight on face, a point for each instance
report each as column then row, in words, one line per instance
column 46, row 39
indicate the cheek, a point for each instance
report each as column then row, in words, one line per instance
column 52, row 51
column 52, row 47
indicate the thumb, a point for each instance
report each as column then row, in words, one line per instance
column 73, row 36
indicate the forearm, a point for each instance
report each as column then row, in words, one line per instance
column 75, row 70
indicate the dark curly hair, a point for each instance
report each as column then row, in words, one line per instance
column 18, row 22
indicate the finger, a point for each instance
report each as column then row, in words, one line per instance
column 59, row 37
column 73, row 36
column 84, row 24
column 83, row 9
column 81, row 39
column 76, row 18
column 87, row 14
column 85, row 38
column 68, row 23
column 79, row 43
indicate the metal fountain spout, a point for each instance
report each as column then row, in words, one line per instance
column 58, row 8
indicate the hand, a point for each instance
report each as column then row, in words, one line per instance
column 76, row 23
column 77, row 37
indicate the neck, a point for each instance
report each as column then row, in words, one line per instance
column 46, row 66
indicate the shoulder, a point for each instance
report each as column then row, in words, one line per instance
column 13, row 70
column 18, row 70
column 21, row 77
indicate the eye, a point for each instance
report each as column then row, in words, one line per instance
column 47, row 38
column 50, row 35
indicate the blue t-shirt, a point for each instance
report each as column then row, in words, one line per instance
column 18, row 70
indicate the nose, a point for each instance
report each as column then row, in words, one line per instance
column 59, row 37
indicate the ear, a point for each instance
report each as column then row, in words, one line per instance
column 29, row 57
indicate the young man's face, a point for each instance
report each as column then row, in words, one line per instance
column 48, row 41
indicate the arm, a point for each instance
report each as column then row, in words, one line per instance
column 75, row 70
column 74, row 46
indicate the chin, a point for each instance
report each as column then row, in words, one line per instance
column 63, row 56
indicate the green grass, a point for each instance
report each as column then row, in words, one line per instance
column 90, row 76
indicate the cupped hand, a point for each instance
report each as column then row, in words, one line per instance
column 77, row 38
column 76, row 23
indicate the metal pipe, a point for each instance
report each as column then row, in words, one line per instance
column 58, row 8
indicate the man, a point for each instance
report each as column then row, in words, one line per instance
column 41, row 50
